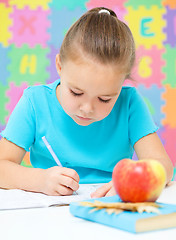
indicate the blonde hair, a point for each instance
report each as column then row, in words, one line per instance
column 101, row 35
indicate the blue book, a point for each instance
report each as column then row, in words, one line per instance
column 127, row 220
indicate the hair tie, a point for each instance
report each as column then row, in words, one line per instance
column 104, row 11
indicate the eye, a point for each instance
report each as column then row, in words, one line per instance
column 75, row 94
column 104, row 100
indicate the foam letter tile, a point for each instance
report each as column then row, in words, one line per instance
column 28, row 65
column 30, row 26
column 147, row 25
column 149, row 64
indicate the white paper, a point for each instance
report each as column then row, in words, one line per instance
column 19, row 199
column 170, row 190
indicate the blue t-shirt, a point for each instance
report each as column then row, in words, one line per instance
column 91, row 150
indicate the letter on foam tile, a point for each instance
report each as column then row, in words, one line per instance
column 28, row 62
column 27, row 24
column 145, row 28
column 144, row 69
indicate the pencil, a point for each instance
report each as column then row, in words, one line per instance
column 51, row 151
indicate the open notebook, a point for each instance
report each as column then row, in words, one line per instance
column 19, row 199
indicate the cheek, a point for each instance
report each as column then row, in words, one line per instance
column 68, row 103
column 105, row 109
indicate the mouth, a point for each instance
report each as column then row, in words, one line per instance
column 84, row 119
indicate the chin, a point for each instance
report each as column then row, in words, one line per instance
column 83, row 123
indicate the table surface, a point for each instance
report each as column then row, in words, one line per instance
column 57, row 223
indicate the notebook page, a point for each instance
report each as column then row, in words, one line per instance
column 169, row 190
column 16, row 199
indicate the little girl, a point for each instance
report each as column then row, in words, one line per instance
column 88, row 118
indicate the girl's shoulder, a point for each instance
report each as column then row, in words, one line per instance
column 40, row 89
column 128, row 92
column 129, row 96
column 129, row 89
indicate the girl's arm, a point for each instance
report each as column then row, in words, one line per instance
column 52, row 181
column 12, row 174
column 148, row 147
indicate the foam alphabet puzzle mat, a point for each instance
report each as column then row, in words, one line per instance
column 31, row 33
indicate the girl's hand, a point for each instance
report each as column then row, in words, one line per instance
column 59, row 181
column 104, row 191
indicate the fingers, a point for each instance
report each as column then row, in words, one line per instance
column 60, row 181
column 63, row 191
column 71, row 173
column 60, row 191
column 102, row 191
column 69, row 182
column 111, row 192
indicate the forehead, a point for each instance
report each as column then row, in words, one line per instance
column 93, row 76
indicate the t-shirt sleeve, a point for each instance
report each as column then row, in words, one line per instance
column 140, row 119
column 20, row 128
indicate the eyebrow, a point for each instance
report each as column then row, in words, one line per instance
column 106, row 95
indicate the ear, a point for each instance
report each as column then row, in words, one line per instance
column 58, row 64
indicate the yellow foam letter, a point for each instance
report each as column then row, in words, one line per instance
column 28, row 62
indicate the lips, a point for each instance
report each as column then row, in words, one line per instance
column 84, row 119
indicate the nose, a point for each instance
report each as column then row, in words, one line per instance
column 86, row 107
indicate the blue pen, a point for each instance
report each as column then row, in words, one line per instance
column 51, row 151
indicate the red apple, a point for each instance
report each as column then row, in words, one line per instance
column 139, row 181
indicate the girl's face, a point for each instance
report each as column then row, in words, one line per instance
column 88, row 91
